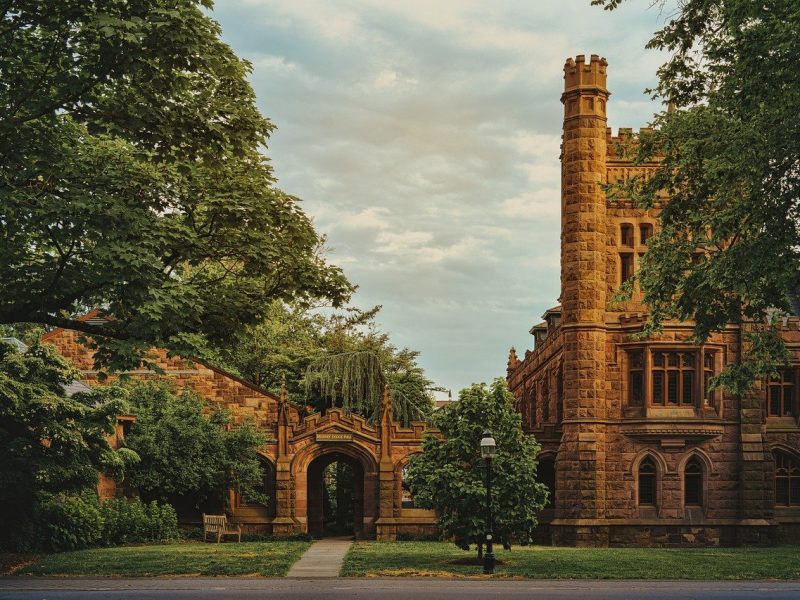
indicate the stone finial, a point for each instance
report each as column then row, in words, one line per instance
column 283, row 403
column 284, row 396
column 387, row 400
column 513, row 361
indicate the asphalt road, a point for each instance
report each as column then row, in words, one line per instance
column 384, row 589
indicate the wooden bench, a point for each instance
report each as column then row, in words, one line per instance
column 218, row 525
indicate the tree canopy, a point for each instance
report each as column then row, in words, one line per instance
column 132, row 179
column 449, row 475
column 50, row 443
column 729, row 245
column 337, row 359
column 187, row 458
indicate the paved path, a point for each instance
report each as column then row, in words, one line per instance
column 323, row 559
column 254, row 588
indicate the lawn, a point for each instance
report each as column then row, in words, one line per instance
column 267, row 559
column 544, row 562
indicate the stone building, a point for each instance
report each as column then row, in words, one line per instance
column 635, row 447
column 295, row 457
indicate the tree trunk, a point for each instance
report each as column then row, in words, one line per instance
column 480, row 550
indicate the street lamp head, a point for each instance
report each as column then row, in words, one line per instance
column 488, row 447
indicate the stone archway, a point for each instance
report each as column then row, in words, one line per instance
column 309, row 468
column 323, row 519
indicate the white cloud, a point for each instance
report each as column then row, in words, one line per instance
column 542, row 204
column 423, row 138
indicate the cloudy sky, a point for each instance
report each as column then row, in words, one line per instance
column 423, row 137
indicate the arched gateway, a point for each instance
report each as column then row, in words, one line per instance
column 303, row 448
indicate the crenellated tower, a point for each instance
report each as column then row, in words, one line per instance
column 581, row 460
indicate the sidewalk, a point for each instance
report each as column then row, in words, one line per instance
column 323, row 559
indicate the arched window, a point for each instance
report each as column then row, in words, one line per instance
column 787, row 480
column 647, row 482
column 693, row 483
column 546, row 474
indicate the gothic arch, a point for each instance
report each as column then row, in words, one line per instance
column 308, row 502
column 708, row 466
column 661, row 464
column 781, row 447
column 313, row 451
column 707, row 470
column 399, row 480
column 661, row 470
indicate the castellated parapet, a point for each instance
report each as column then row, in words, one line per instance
column 580, row 74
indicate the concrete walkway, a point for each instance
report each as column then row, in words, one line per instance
column 323, row 559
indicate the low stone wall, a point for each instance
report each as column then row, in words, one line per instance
column 665, row 535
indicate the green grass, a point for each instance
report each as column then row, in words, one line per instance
column 268, row 559
column 408, row 559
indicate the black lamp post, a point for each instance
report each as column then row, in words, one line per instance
column 488, row 451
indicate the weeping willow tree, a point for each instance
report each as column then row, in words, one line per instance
column 354, row 382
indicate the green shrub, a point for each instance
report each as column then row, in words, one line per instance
column 70, row 522
column 129, row 520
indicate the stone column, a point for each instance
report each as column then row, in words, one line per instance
column 284, row 522
column 756, row 472
column 581, row 485
column 386, row 527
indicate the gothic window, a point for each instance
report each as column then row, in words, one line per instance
column 645, row 233
column 693, row 483
column 781, row 394
column 787, row 480
column 626, row 235
column 673, row 375
column 647, row 482
column 625, row 266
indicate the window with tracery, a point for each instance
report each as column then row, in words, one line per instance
column 787, row 480
column 673, row 375
column 781, row 394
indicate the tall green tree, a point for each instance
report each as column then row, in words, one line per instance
column 187, row 458
column 450, row 475
column 336, row 359
column 50, row 444
column 132, row 179
column 729, row 245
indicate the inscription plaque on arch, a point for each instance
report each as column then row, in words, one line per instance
column 334, row 437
